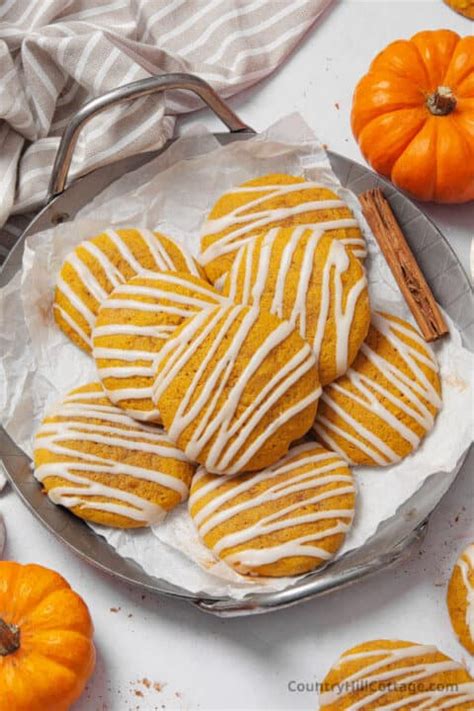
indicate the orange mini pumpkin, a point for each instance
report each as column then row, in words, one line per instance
column 413, row 115
column 46, row 649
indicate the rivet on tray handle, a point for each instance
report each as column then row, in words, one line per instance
column 128, row 92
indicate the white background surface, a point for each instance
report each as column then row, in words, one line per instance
column 247, row 663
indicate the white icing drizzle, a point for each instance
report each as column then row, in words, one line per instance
column 72, row 323
column 417, row 390
column 229, row 435
column 102, row 265
column 466, row 566
column 135, row 363
column 376, row 672
column 254, row 266
column 115, row 430
column 87, row 314
column 114, row 275
column 325, row 469
column 87, row 278
column 246, row 218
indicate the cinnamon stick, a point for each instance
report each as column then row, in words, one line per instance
column 400, row 259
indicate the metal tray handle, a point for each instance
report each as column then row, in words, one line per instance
column 128, row 92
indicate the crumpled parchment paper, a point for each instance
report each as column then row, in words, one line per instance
column 173, row 193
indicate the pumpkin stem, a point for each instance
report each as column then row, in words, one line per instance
column 441, row 102
column 9, row 638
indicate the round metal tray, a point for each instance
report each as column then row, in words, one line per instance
column 395, row 538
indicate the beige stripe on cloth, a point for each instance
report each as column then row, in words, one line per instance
column 57, row 54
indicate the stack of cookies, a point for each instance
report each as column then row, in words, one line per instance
column 247, row 380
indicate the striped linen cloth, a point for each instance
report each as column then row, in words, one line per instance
column 57, row 54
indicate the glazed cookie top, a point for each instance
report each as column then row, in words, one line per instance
column 95, row 460
column 285, row 520
column 461, row 598
column 99, row 265
column 381, row 409
column 309, row 278
column 389, row 674
column 270, row 201
column 132, row 325
column 234, row 387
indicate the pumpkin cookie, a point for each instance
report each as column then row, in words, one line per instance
column 461, row 598
column 272, row 201
column 381, row 409
column 389, row 674
column 234, row 387
column 132, row 325
column 105, row 467
column 98, row 265
column 305, row 276
column 285, row 520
